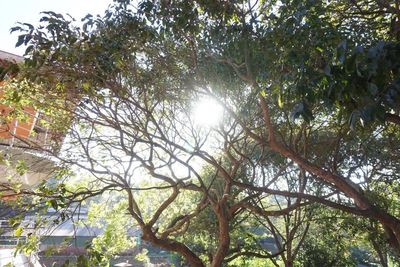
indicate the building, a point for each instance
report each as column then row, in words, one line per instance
column 19, row 137
column 67, row 242
column 21, row 164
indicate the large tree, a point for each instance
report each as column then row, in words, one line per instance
column 293, row 78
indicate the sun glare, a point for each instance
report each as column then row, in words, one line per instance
column 207, row 112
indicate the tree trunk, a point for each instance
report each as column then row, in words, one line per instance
column 391, row 226
column 172, row 245
column 390, row 223
column 381, row 254
column 223, row 236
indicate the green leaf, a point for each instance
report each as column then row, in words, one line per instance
column 354, row 116
column 28, row 37
column 18, row 231
column 54, row 204
column 20, row 41
column 297, row 110
column 341, row 51
column 280, row 102
column 86, row 86
column 65, row 264
column 82, row 261
column 372, row 89
column 29, row 49
column 21, row 167
column 17, row 28
column 327, row 70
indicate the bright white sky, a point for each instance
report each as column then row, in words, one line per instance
column 13, row 11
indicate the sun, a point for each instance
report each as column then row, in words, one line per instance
column 207, row 112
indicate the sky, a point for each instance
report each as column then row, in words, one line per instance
column 13, row 11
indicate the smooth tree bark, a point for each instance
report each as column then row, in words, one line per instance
column 390, row 223
column 363, row 206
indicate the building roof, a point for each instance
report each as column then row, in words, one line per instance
column 10, row 57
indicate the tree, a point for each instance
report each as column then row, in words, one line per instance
column 286, row 75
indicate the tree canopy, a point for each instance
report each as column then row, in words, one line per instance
column 310, row 94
